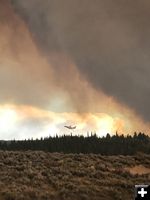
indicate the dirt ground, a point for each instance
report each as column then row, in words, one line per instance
column 57, row 176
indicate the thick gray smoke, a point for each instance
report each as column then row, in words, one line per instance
column 108, row 40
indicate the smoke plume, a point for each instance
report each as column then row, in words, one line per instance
column 108, row 41
column 74, row 62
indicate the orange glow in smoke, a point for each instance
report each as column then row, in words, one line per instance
column 24, row 120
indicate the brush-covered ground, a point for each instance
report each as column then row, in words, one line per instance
column 56, row 176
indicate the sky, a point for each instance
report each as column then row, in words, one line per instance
column 83, row 63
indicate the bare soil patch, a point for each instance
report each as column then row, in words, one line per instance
column 138, row 169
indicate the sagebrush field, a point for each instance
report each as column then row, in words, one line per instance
column 56, row 176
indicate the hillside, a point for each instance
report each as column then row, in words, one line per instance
column 57, row 176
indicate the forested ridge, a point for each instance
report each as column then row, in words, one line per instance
column 109, row 145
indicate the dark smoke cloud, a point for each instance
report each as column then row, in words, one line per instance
column 108, row 40
column 25, row 76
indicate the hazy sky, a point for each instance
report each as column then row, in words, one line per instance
column 74, row 62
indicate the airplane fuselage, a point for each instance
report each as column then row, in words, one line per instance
column 70, row 127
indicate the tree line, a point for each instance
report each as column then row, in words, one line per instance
column 109, row 145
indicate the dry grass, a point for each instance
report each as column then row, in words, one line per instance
column 54, row 176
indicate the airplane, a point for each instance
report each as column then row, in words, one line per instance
column 70, row 127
